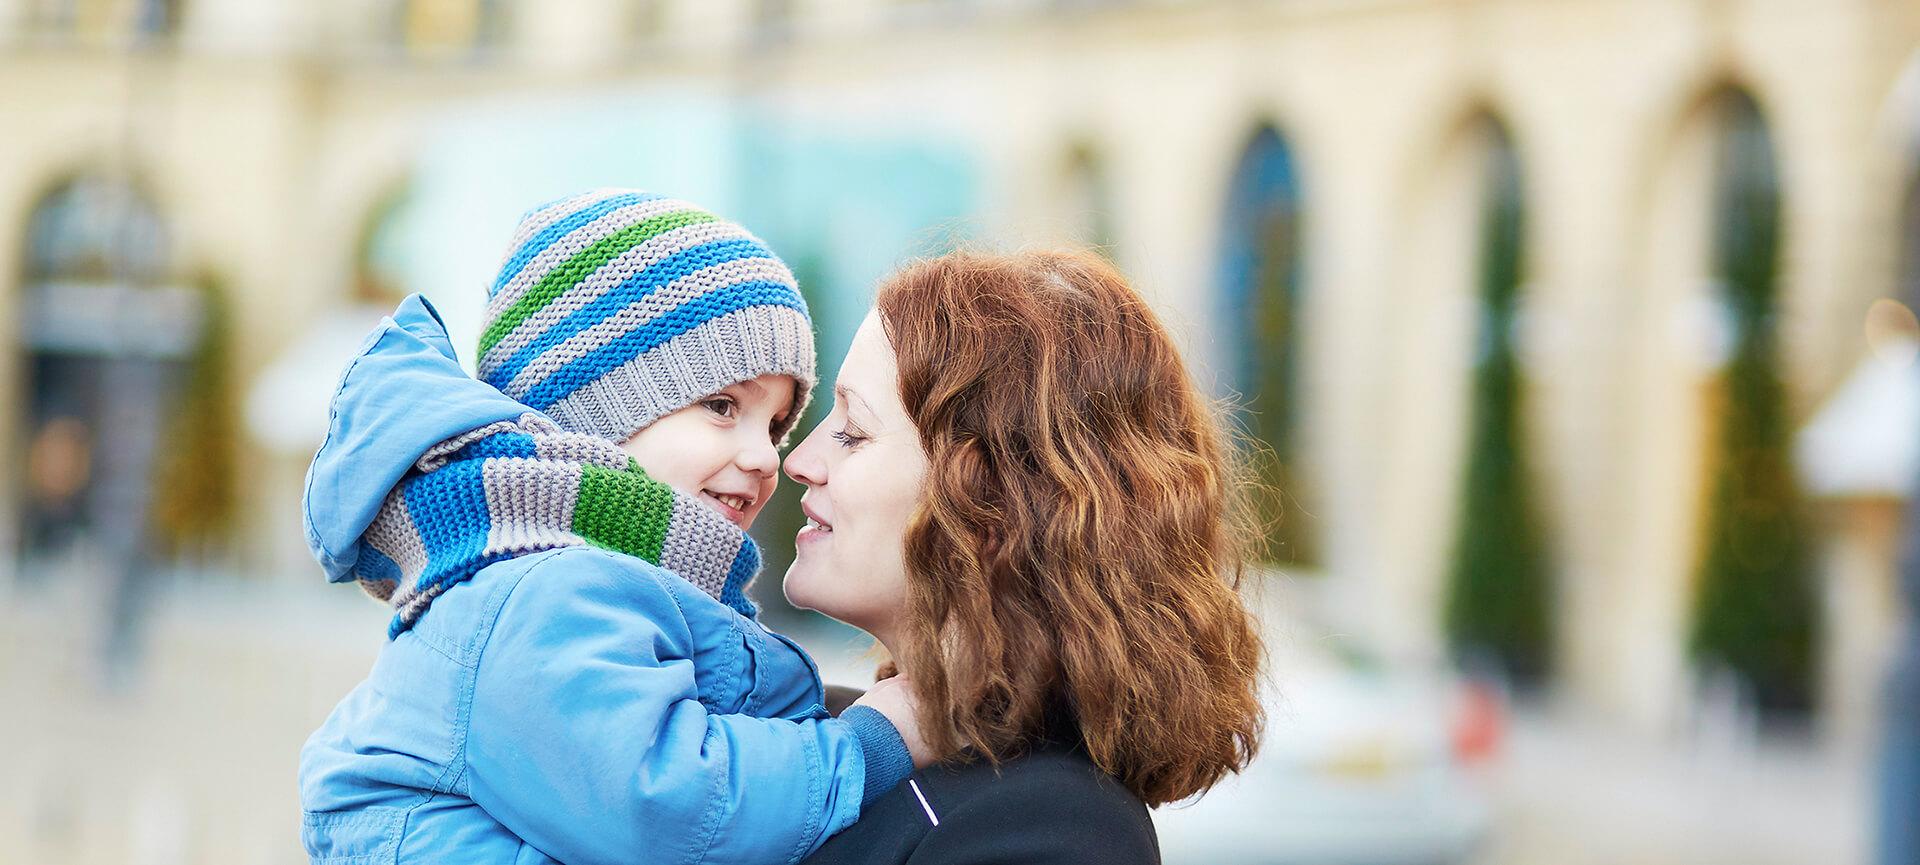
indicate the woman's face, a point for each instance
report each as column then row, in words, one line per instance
column 863, row 468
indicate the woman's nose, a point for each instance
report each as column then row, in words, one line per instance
column 803, row 462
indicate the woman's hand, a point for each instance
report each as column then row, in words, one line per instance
column 894, row 698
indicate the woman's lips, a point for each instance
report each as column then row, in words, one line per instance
column 815, row 529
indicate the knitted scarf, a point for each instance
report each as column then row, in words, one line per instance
column 517, row 487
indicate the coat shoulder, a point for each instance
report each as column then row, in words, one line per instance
column 1055, row 784
column 1046, row 806
column 544, row 588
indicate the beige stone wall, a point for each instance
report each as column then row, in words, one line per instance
column 1605, row 101
column 273, row 130
column 267, row 138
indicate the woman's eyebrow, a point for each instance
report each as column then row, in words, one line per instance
column 846, row 395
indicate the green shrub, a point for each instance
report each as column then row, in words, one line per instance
column 1498, row 609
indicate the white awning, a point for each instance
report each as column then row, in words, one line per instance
column 287, row 404
column 1865, row 441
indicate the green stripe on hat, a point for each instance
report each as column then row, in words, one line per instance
column 582, row 265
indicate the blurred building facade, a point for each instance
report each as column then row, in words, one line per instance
column 192, row 187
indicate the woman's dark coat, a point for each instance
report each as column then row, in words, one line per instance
column 1049, row 806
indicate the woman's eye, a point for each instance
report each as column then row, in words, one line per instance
column 847, row 439
column 719, row 405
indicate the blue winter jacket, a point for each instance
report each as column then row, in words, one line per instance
column 575, row 705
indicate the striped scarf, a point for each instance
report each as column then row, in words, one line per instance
column 517, row 487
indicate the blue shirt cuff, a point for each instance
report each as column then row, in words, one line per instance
column 887, row 759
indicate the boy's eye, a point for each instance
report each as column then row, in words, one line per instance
column 720, row 405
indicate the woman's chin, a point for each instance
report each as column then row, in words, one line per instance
column 801, row 592
column 797, row 587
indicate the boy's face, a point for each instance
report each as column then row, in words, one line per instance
column 720, row 450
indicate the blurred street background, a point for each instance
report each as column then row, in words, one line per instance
column 1578, row 336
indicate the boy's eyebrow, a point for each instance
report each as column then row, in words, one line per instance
column 753, row 388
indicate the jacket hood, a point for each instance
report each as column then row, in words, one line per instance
column 402, row 393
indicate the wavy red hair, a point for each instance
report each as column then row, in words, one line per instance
column 1080, row 542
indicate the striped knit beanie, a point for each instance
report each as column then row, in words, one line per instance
column 618, row 307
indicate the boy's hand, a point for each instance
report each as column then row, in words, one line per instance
column 894, row 698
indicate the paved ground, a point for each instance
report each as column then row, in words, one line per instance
column 1573, row 793
column 194, row 762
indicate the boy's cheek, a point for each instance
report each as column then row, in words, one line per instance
column 753, row 515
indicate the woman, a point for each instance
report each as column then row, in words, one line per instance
column 1021, row 495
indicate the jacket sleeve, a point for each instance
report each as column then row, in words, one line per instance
column 587, row 739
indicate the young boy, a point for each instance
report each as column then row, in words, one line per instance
column 574, row 672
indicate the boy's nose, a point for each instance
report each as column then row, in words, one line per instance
column 761, row 459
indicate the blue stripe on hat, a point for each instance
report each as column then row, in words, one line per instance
column 547, row 236
column 653, row 334
column 680, row 264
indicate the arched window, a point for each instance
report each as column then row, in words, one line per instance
column 108, row 340
column 1260, row 279
column 1498, row 610
column 94, row 228
column 1755, row 608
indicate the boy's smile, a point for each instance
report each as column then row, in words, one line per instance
column 734, row 506
column 720, row 449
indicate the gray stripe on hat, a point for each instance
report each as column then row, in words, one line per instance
column 610, row 275
column 641, row 391
column 573, row 242
column 537, row 221
column 530, row 502
column 546, row 215
column 643, row 311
